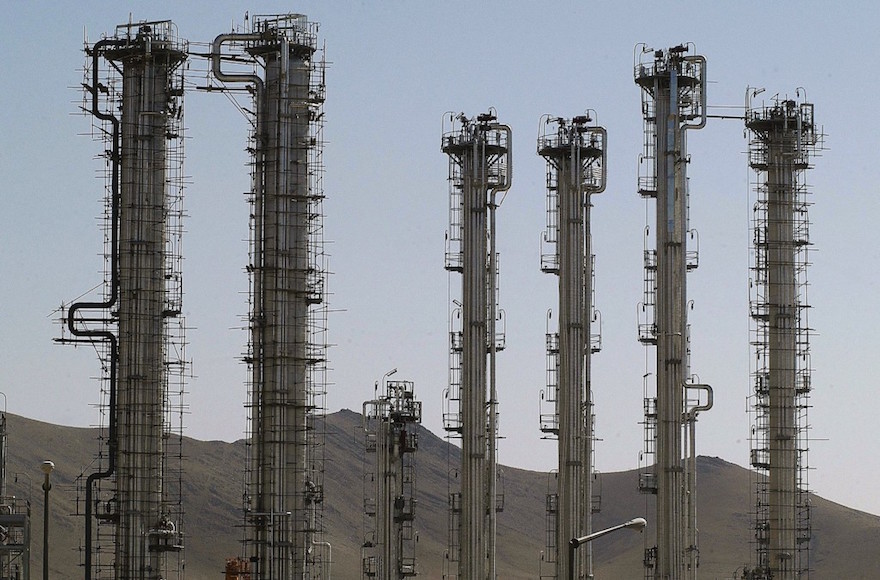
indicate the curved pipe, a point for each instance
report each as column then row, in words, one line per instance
column 104, row 335
column 709, row 399
column 702, row 62
column 216, row 62
column 603, row 182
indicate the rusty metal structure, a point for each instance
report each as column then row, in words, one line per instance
column 392, row 421
column 278, row 60
column 783, row 139
column 673, row 89
column 576, row 152
column 132, row 503
column 479, row 151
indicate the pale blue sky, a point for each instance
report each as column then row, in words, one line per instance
column 395, row 68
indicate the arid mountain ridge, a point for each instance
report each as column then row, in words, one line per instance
column 844, row 546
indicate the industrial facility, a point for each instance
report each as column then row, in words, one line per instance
column 391, row 434
column 132, row 507
column 783, row 138
column 673, row 88
column 288, row 318
column 480, row 168
column 576, row 156
column 130, row 497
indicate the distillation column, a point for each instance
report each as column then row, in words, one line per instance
column 285, row 488
column 673, row 100
column 144, row 86
column 148, row 64
column 479, row 153
column 782, row 138
column 391, row 425
column 576, row 169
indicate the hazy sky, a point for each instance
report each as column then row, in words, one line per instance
column 395, row 68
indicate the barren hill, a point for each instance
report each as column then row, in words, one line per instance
column 844, row 540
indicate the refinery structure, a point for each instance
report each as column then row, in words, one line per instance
column 480, row 167
column 286, row 351
column 673, row 86
column 575, row 151
column 391, row 434
column 131, row 497
column 782, row 140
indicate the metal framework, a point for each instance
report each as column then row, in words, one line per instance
column 15, row 523
column 278, row 59
column 479, row 151
column 673, row 88
column 576, row 153
column 132, row 503
column 783, row 137
column 391, row 429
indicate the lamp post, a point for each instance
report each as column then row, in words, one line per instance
column 573, row 544
column 47, row 468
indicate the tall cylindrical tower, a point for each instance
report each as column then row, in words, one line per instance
column 673, row 100
column 391, row 426
column 148, row 63
column 782, row 139
column 287, row 321
column 576, row 168
column 137, row 106
column 479, row 153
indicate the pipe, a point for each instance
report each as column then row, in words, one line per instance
column 105, row 335
column 493, row 347
column 702, row 62
column 329, row 555
column 216, row 62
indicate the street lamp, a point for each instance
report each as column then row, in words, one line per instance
column 573, row 544
column 47, row 468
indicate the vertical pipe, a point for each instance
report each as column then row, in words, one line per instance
column 782, row 302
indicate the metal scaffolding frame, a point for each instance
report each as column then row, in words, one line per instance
column 575, row 151
column 132, row 502
column 15, row 522
column 479, row 151
column 279, row 60
column 782, row 139
column 673, row 89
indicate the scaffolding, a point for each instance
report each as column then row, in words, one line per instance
column 575, row 151
column 479, row 151
column 391, row 429
column 673, row 89
column 132, row 500
column 278, row 60
column 15, row 523
column 782, row 139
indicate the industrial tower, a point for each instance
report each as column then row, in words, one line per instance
column 479, row 151
column 673, row 85
column 15, row 523
column 575, row 152
column 391, row 427
column 134, row 497
column 287, row 347
column 783, row 137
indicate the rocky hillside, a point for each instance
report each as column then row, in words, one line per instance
column 844, row 541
